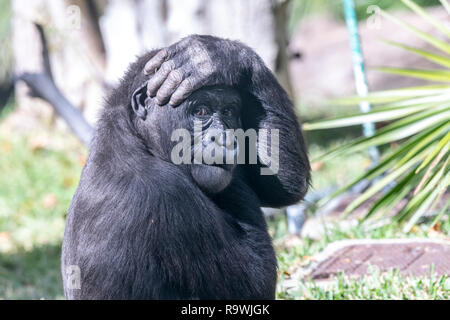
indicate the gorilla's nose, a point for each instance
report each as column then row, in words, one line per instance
column 224, row 139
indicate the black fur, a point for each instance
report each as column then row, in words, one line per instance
column 140, row 227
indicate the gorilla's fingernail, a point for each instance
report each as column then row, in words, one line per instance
column 173, row 103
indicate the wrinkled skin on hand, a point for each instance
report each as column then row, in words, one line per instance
column 193, row 62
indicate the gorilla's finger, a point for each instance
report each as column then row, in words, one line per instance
column 169, row 86
column 182, row 44
column 160, row 76
column 183, row 91
column 155, row 62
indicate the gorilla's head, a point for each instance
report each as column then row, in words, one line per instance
column 196, row 134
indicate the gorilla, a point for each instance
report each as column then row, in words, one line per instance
column 143, row 226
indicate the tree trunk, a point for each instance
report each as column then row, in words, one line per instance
column 76, row 53
column 149, row 24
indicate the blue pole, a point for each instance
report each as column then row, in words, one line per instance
column 358, row 72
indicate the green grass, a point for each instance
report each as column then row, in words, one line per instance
column 32, row 273
column 375, row 286
column 36, row 185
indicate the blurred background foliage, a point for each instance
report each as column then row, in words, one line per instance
column 39, row 169
column 303, row 8
column 419, row 119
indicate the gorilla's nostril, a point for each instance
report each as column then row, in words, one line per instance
column 220, row 140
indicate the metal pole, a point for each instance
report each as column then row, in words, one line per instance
column 359, row 73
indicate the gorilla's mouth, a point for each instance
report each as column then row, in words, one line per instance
column 216, row 168
column 212, row 178
column 226, row 167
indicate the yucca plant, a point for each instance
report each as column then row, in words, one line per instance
column 419, row 120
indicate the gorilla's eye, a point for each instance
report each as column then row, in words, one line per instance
column 229, row 112
column 201, row 111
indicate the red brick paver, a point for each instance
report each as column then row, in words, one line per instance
column 410, row 256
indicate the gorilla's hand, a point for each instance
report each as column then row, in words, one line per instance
column 194, row 62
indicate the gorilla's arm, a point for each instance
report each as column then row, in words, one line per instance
column 198, row 61
column 291, row 182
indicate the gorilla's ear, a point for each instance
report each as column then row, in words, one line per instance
column 138, row 101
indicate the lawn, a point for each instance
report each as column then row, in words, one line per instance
column 39, row 173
